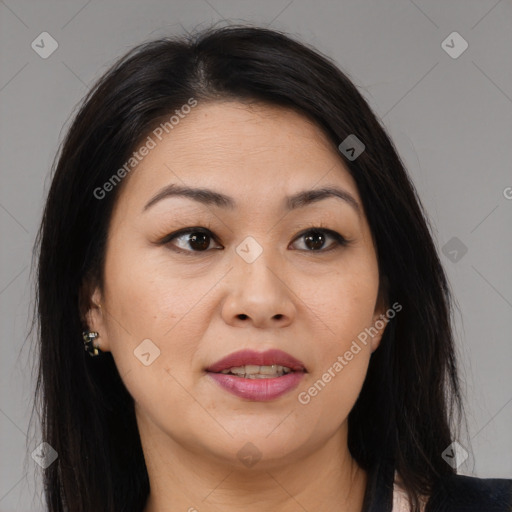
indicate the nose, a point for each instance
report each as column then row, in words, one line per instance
column 258, row 295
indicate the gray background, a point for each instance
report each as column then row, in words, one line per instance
column 450, row 119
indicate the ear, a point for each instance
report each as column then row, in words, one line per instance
column 93, row 313
column 379, row 316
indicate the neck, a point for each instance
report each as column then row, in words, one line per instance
column 327, row 480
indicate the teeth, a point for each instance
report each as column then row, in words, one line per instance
column 251, row 371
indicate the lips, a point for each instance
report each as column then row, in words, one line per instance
column 251, row 357
column 259, row 390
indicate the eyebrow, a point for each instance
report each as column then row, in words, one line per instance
column 211, row 197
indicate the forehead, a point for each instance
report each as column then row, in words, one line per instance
column 246, row 151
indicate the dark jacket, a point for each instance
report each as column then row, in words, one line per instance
column 454, row 493
column 470, row 494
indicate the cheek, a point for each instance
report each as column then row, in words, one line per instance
column 148, row 302
column 335, row 382
column 345, row 301
column 346, row 309
column 149, row 297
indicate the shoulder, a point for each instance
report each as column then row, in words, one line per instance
column 467, row 494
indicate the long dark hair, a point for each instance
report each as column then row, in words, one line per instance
column 404, row 414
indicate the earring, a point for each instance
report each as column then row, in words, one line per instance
column 90, row 348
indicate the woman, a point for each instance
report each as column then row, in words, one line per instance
column 234, row 240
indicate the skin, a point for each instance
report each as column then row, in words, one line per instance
column 198, row 307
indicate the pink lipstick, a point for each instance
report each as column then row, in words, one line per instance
column 258, row 376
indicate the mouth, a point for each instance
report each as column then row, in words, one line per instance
column 258, row 376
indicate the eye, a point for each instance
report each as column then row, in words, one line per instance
column 197, row 239
column 315, row 237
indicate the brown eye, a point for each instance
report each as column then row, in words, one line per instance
column 190, row 240
column 315, row 239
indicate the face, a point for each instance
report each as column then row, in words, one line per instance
column 256, row 272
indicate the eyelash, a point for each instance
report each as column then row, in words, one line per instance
column 340, row 241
